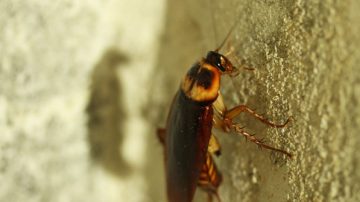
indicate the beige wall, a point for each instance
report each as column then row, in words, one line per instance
column 66, row 69
column 84, row 85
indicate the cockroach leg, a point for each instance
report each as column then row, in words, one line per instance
column 210, row 178
column 259, row 142
column 232, row 113
column 210, row 196
column 224, row 119
column 161, row 133
column 214, row 145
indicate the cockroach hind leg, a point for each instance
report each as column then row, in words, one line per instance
column 259, row 142
column 211, row 194
column 226, row 123
column 217, row 196
column 210, row 197
column 232, row 113
column 161, row 133
column 210, row 178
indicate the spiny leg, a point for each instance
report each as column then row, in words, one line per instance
column 229, row 115
column 232, row 113
column 223, row 119
column 259, row 142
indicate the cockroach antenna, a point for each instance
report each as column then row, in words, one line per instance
column 236, row 69
column 212, row 14
column 227, row 36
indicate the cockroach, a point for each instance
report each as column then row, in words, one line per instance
column 188, row 139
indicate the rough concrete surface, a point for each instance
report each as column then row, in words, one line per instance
column 85, row 84
column 62, row 106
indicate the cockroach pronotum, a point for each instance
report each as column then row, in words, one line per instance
column 188, row 139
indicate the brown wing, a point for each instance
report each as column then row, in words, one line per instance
column 187, row 137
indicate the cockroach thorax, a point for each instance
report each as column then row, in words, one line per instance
column 202, row 82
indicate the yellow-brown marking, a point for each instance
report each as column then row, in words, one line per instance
column 197, row 92
column 210, row 178
column 214, row 145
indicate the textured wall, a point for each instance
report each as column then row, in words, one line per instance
column 45, row 59
column 307, row 65
column 83, row 87
column 63, row 115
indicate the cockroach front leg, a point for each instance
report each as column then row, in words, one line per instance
column 223, row 119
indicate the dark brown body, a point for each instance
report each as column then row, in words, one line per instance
column 187, row 137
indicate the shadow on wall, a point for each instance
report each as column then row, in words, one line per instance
column 106, row 115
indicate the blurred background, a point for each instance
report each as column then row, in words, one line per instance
column 85, row 84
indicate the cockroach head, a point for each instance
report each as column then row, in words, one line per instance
column 220, row 62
